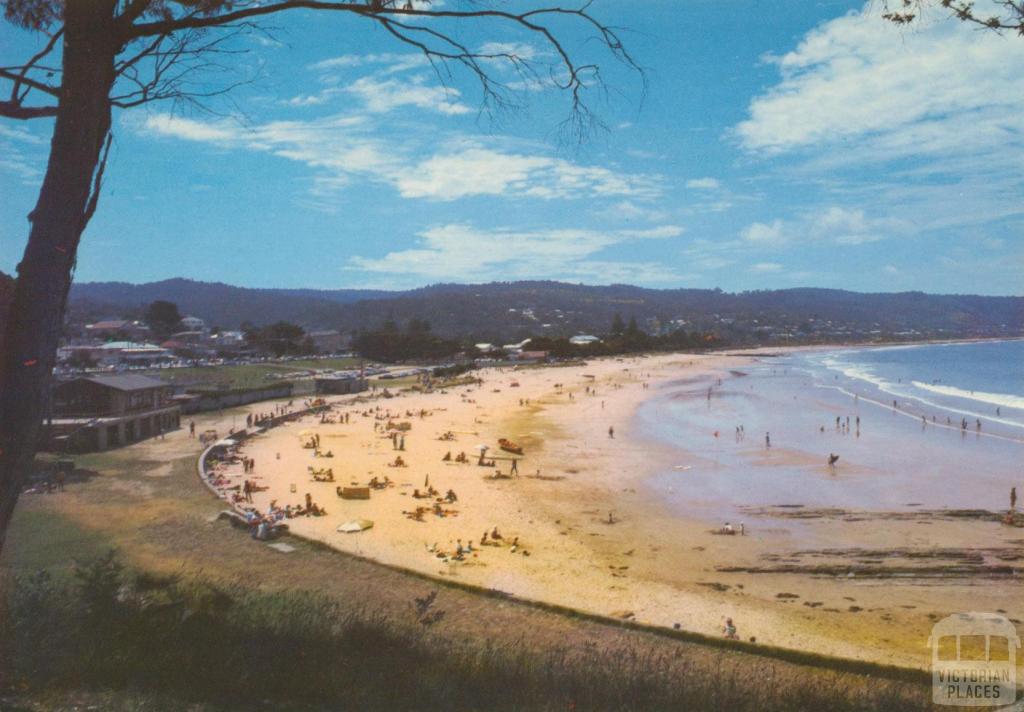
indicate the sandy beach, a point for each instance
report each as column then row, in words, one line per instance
column 598, row 529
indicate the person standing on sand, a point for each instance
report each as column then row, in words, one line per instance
column 1013, row 499
column 611, row 431
column 191, row 428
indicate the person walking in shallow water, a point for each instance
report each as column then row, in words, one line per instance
column 767, row 440
column 1013, row 499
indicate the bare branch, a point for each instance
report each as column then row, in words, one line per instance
column 15, row 93
column 165, row 67
column 440, row 47
column 29, row 82
column 14, row 110
column 906, row 12
column 134, row 10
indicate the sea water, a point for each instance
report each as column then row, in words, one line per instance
column 915, row 453
column 973, row 380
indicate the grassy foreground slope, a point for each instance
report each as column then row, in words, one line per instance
column 192, row 612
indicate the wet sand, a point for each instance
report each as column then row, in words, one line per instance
column 845, row 579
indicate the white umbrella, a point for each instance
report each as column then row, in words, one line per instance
column 355, row 526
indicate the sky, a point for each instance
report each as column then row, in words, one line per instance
column 776, row 144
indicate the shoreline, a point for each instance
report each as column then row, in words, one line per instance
column 559, row 517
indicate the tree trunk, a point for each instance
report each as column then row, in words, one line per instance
column 61, row 213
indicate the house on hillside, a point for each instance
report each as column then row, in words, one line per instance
column 100, row 412
column 134, row 330
column 583, row 340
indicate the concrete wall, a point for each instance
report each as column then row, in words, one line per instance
column 229, row 399
column 340, row 386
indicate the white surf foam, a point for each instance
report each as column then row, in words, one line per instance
column 1004, row 400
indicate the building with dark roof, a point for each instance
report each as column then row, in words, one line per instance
column 99, row 412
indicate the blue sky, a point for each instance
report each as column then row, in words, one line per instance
column 779, row 144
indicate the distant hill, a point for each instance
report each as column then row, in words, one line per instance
column 216, row 303
column 502, row 311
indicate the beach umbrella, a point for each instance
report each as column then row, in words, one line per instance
column 482, row 447
column 355, row 526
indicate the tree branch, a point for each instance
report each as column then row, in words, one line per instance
column 97, row 184
column 390, row 14
column 14, row 110
column 31, row 63
column 905, row 12
column 29, row 82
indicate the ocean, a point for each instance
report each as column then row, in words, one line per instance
column 976, row 380
column 762, row 435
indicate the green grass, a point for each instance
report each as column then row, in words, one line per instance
column 47, row 541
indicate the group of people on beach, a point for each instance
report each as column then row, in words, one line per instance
column 259, row 419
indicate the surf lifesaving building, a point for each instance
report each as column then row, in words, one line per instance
column 101, row 412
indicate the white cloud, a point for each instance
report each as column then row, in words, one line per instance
column 462, row 252
column 703, row 183
column 311, row 99
column 21, row 154
column 835, row 224
column 392, row 62
column 381, row 96
column 890, row 270
column 851, row 227
column 766, row 267
column 340, row 147
column 714, row 262
column 663, row 231
column 523, row 51
column 946, row 88
column 188, row 129
column 627, row 210
column 22, row 135
column 475, row 170
column 766, row 234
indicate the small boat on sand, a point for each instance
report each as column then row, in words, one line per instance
column 509, row 446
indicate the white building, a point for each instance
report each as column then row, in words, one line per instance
column 114, row 353
column 515, row 348
column 583, row 340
